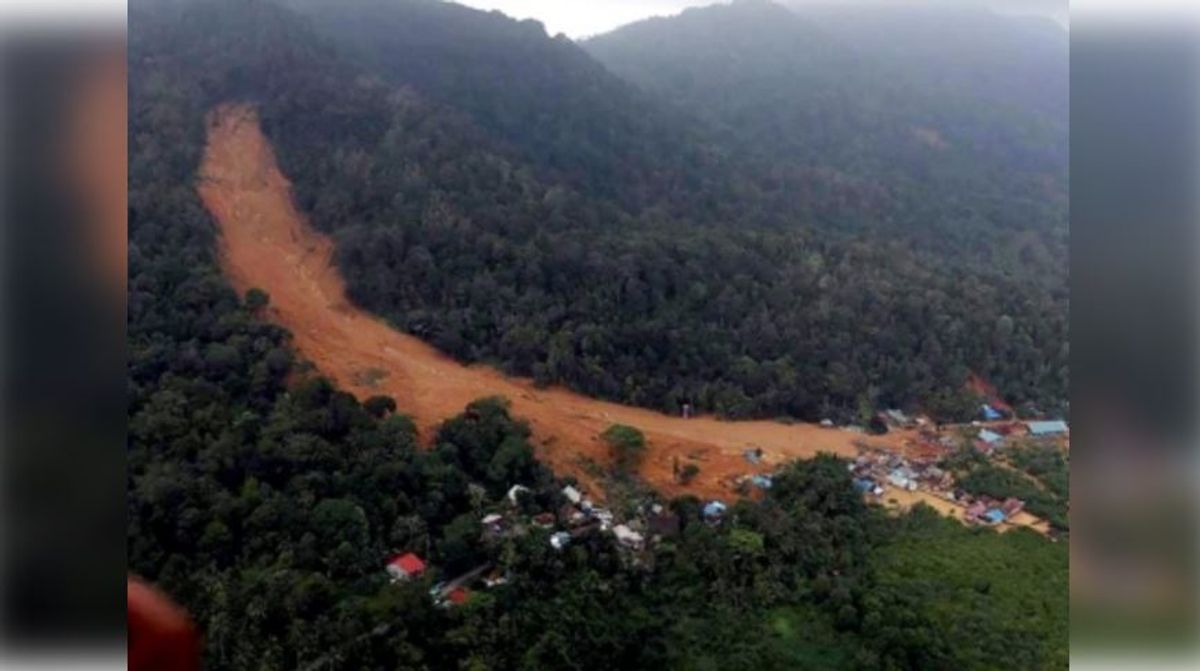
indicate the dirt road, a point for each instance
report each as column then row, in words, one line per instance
column 267, row 243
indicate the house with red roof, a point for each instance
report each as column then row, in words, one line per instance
column 458, row 596
column 976, row 510
column 405, row 566
column 1012, row 506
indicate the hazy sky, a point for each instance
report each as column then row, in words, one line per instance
column 582, row 18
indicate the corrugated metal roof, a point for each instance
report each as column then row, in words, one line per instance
column 989, row 436
column 1044, row 428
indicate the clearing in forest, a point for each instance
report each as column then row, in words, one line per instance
column 266, row 242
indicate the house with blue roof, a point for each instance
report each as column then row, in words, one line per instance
column 990, row 437
column 994, row 516
column 989, row 413
column 713, row 510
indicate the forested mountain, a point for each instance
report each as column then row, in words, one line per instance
column 962, row 49
column 265, row 501
column 499, row 193
column 556, row 108
column 956, row 116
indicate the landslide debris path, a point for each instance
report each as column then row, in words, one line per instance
column 265, row 242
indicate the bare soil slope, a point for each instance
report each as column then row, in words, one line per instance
column 267, row 243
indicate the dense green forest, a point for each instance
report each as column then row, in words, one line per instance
column 954, row 141
column 267, row 501
column 499, row 193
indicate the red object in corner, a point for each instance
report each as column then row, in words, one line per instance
column 160, row 634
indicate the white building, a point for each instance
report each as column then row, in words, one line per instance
column 628, row 537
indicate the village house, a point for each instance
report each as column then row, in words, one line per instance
column 628, row 537
column 902, row 477
column 761, row 481
column 975, row 510
column 447, row 595
column 514, row 492
column 493, row 524
column 571, row 516
column 604, row 515
column 560, row 540
column 580, row 532
column 573, row 495
column 1047, row 429
column 663, row 525
column 713, row 511
column 990, row 437
column 495, row 579
column 458, row 596
column 864, row 485
column 405, row 566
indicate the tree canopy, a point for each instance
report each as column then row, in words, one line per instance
column 266, row 501
column 628, row 445
column 570, row 227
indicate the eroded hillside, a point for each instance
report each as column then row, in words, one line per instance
column 267, row 243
